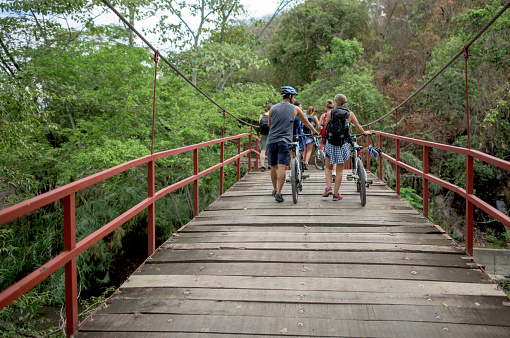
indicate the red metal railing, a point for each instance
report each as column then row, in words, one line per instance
column 72, row 248
column 467, row 193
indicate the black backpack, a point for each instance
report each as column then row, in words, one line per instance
column 305, row 128
column 337, row 130
column 264, row 125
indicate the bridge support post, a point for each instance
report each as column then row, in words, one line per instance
column 469, row 205
column 249, row 154
column 196, row 204
column 380, row 158
column 239, row 159
column 397, row 168
column 425, row 182
column 70, row 267
column 256, row 157
column 368, row 154
column 151, row 221
column 222, row 169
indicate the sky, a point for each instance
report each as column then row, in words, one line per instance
column 254, row 8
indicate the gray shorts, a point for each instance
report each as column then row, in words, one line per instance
column 262, row 142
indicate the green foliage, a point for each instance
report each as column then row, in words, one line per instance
column 343, row 55
column 21, row 317
column 305, row 33
column 412, row 198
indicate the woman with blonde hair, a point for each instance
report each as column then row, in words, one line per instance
column 338, row 145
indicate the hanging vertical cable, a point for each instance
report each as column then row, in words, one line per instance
column 156, row 59
column 465, row 50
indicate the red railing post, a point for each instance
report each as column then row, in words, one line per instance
column 397, row 157
column 151, row 190
column 425, row 182
column 368, row 154
column 380, row 158
column 196, row 204
column 469, row 205
column 239, row 159
column 249, row 154
column 222, row 169
column 256, row 157
column 70, row 267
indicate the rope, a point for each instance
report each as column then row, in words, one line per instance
column 505, row 7
column 156, row 59
column 126, row 22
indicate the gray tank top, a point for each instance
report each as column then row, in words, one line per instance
column 282, row 122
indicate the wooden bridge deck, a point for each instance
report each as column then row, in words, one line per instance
column 249, row 266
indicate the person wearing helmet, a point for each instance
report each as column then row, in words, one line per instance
column 281, row 123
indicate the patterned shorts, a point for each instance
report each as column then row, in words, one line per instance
column 338, row 154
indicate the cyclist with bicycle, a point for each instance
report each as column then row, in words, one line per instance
column 338, row 143
column 281, row 123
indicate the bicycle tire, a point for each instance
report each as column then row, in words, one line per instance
column 294, row 179
column 362, row 183
column 320, row 159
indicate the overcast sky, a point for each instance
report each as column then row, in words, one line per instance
column 254, row 8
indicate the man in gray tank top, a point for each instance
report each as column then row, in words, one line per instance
column 281, row 123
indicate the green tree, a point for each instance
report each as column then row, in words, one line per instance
column 305, row 33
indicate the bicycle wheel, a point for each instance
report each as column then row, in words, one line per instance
column 320, row 159
column 362, row 183
column 294, row 179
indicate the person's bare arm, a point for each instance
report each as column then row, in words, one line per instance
column 352, row 119
column 302, row 117
column 269, row 118
column 260, row 117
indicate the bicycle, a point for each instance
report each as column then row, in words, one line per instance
column 296, row 169
column 320, row 155
column 359, row 175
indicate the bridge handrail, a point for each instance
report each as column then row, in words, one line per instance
column 468, row 193
column 67, row 192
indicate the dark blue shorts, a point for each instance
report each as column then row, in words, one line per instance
column 278, row 153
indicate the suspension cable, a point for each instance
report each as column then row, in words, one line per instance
column 127, row 23
column 461, row 52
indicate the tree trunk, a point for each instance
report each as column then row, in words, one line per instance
column 132, row 22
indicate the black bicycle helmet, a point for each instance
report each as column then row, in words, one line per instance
column 288, row 90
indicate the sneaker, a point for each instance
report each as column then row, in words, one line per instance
column 327, row 192
column 273, row 193
column 305, row 166
column 337, row 197
column 262, row 168
column 278, row 197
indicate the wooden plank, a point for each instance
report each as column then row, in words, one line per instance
column 310, row 283
column 297, row 326
column 419, row 229
column 307, row 247
column 259, row 269
column 296, row 237
column 378, row 312
column 311, row 297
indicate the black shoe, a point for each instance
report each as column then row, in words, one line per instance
column 278, row 197
column 273, row 193
column 262, row 168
